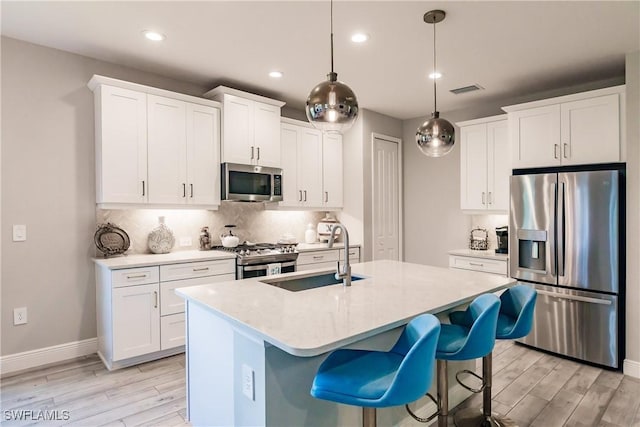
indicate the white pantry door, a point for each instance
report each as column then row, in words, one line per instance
column 386, row 199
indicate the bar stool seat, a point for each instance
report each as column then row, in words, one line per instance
column 472, row 340
column 376, row 379
column 515, row 319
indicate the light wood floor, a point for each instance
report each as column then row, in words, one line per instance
column 532, row 388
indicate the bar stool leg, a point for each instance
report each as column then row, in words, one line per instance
column 443, row 393
column 368, row 417
column 474, row 417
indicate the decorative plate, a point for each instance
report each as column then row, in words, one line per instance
column 111, row 239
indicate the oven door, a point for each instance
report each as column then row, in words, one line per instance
column 260, row 270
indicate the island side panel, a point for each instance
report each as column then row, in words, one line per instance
column 209, row 368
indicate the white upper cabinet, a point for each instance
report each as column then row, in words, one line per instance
column 301, row 160
column 250, row 127
column 121, row 145
column 155, row 148
column 332, row 171
column 484, row 164
column 583, row 128
column 312, row 167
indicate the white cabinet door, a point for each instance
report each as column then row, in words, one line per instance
column 136, row 321
column 167, row 150
column 310, row 166
column 203, row 159
column 535, row 135
column 266, row 134
column 498, row 166
column 121, row 145
column 332, row 171
column 237, row 130
column 473, row 167
column 591, row 130
column 291, row 193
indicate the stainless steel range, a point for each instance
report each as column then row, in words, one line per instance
column 262, row 259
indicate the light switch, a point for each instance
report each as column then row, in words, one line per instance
column 19, row 233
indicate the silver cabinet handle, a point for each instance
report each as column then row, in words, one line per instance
column 318, row 257
column 566, row 148
column 489, row 199
column 252, row 152
column 483, row 198
column 137, row 276
column 191, row 185
column 575, row 297
column 184, row 190
column 258, row 153
column 326, row 196
column 299, row 195
column 143, row 188
column 555, row 151
column 352, row 253
column 155, row 295
column 477, row 264
column 305, row 195
column 201, row 269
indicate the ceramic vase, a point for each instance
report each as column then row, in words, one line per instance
column 161, row 239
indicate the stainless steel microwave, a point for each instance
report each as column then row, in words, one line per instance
column 251, row 183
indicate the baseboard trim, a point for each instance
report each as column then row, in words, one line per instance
column 631, row 368
column 47, row 355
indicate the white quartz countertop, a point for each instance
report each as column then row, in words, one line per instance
column 144, row 260
column 319, row 246
column 314, row 321
column 480, row 254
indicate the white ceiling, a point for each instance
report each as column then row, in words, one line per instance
column 509, row 48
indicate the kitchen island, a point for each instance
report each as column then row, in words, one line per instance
column 253, row 349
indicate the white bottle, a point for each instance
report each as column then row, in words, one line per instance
column 310, row 234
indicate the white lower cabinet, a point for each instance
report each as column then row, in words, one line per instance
column 140, row 318
column 325, row 258
column 480, row 264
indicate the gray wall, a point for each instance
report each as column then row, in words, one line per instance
column 48, row 184
column 633, row 208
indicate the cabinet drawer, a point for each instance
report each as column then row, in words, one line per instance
column 354, row 254
column 170, row 303
column 318, row 256
column 478, row 264
column 134, row 276
column 191, row 270
column 172, row 331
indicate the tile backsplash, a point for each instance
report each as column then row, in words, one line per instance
column 252, row 221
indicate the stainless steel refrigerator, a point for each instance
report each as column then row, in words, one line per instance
column 566, row 237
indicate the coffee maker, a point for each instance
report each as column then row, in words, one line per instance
column 502, row 233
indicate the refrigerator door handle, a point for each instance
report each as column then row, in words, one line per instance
column 560, row 233
column 574, row 297
column 552, row 234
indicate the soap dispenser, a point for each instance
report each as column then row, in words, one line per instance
column 310, row 234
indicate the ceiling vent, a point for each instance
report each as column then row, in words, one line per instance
column 466, row 89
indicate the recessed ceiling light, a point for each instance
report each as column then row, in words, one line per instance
column 435, row 75
column 276, row 74
column 154, row 35
column 359, row 37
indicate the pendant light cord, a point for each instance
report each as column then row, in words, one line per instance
column 331, row 36
column 435, row 103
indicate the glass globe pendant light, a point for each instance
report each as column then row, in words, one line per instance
column 436, row 136
column 332, row 106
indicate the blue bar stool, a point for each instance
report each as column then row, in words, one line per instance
column 377, row 379
column 472, row 340
column 514, row 321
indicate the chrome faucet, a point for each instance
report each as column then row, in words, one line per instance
column 345, row 274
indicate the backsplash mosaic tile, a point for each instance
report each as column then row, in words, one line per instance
column 252, row 221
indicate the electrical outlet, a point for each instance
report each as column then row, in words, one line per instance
column 19, row 233
column 20, row 316
column 185, row 241
column 248, row 388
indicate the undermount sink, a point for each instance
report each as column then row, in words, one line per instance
column 296, row 284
